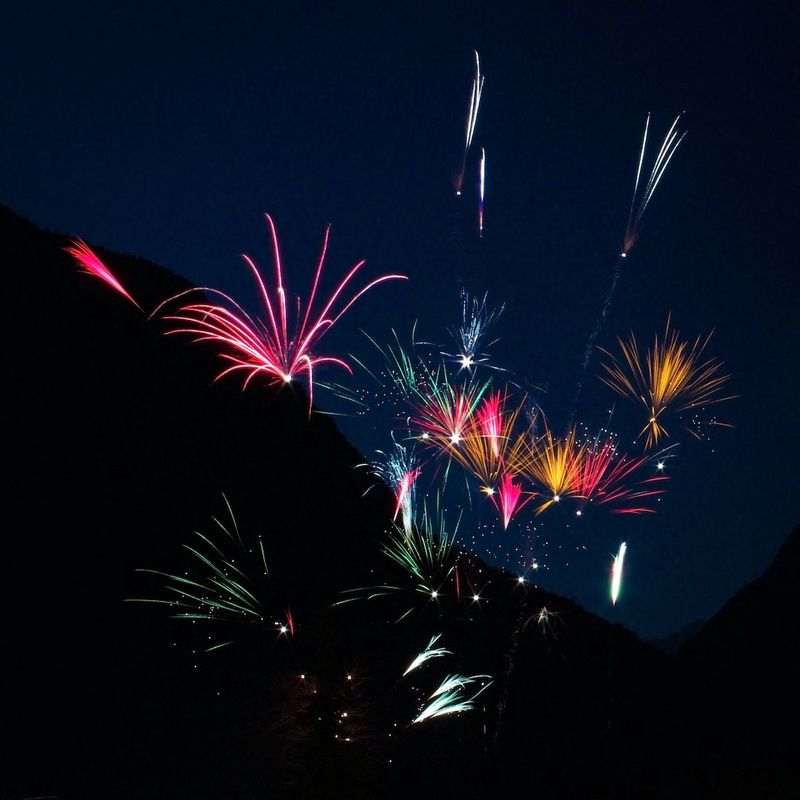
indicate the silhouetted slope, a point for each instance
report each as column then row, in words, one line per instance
column 761, row 623
column 743, row 664
column 672, row 643
column 120, row 447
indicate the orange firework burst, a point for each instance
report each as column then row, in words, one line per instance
column 672, row 377
column 554, row 464
column 488, row 447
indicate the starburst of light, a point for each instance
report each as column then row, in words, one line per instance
column 281, row 345
column 672, row 377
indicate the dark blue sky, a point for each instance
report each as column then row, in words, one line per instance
column 166, row 130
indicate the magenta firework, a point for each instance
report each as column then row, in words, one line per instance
column 281, row 345
column 91, row 263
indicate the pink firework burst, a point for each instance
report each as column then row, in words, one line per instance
column 443, row 413
column 281, row 345
column 490, row 420
column 508, row 498
column 605, row 478
column 92, row 264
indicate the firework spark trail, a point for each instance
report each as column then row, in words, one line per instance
column 604, row 478
column 506, row 499
column 471, row 121
column 639, row 203
column 400, row 470
column 450, row 697
column 489, row 447
column 427, row 557
column 482, row 192
column 225, row 592
column 265, row 346
column 489, row 421
column 674, row 378
column 92, row 264
column 428, row 653
column 553, row 463
column 616, row 573
column 442, row 414
column 426, row 554
column 476, row 319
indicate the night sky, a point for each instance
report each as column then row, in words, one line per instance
column 167, row 130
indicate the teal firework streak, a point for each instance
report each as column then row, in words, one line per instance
column 227, row 582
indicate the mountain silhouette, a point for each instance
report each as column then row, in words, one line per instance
column 122, row 446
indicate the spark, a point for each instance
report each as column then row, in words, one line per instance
column 545, row 619
column 482, row 192
column 233, row 585
column 426, row 553
column 269, row 346
column 639, row 204
column 674, row 378
column 607, row 478
column 472, row 119
column 444, row 410
column 640, row 201
column 400, row 470
column 91, row 263
column 489, row 448
column 553, row 464
column 507, row 499
column 428, row 653
column 616, row 573
column 476, row 320
column 450, row 697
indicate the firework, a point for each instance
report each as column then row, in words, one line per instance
column 472, row 119
column 605, row 477
column 476, row 319
column 639, row 204
column 672, row 377
column 426, row 554
column 91, row 263
column 450, row 697
column 405, row 371
column 428, row 653
column 441, row 414
column 545, row 620
column 640, row 200
column 507, row 499
column 489, row 447
column 275, row 347
column 231, row 586
column 616, row 573
column 399, row 469
column 481, row 191
column 554, row 464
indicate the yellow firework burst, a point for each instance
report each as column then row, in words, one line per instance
column 554, row 464
column 672, row 377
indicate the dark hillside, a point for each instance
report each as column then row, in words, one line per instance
column 121, row 446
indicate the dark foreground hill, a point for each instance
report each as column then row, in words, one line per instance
column 120, row 445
